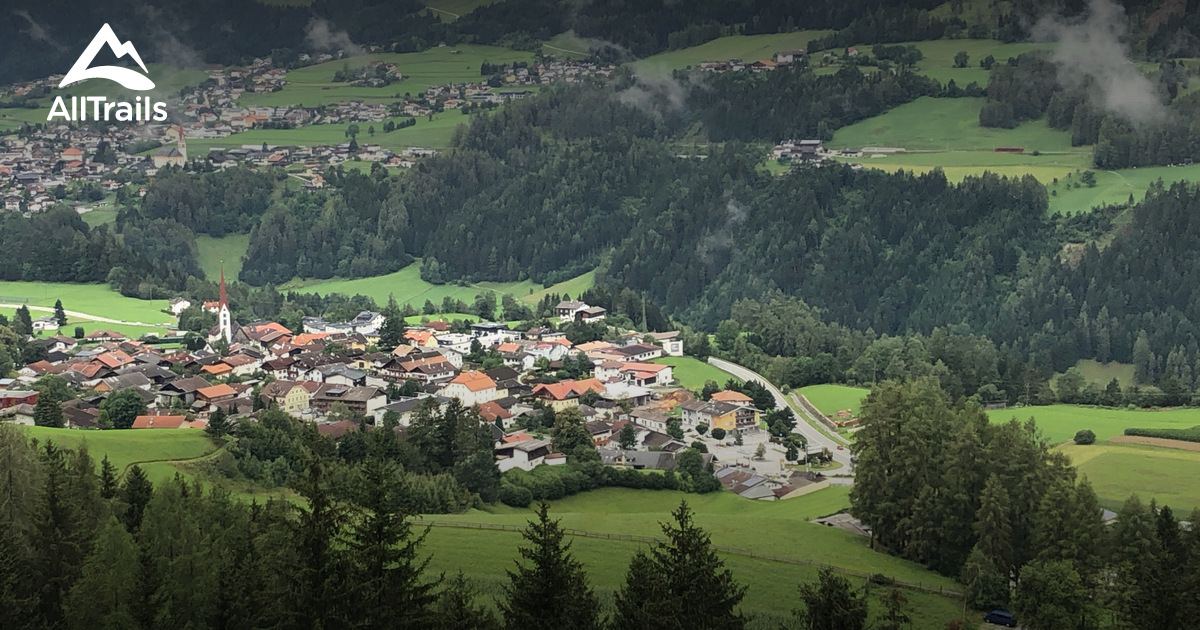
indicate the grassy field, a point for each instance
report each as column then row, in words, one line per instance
column 692, row 373
column 1118, row 470
column 100, row 216
column 834, row 398
column 314, row 85
column 435, row 134
column 1102, row 373
column 778, row 528
column 227, row 252
column 127, row 447
column 90, row 326
column 1114, row 186
column 939, row 58
column 745, row 47
column 1060, row 422
column 92, row 299
column 567, row 45
column 407, row 286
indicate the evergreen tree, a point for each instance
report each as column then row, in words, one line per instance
column 391, row 334
column 986, row 586
column 23, row 322
column 109, row 484
column 895, row 616
column 59, row 315
column 1051, row 596
column 628, row 437
column 993, row 527
column 456, row 608
column 830, row 604
column 178, row 578
column 1135, row 558
column 388, row 575
column 47, row 413
column 319, row 588
column 218, row 424
column 136, row 492
column 105, row 594
column 680, row 583
column 551, row 591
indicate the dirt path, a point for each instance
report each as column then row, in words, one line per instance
column 1151, row 441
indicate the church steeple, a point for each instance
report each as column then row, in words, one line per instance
column 224, row 318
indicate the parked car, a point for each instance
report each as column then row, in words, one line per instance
column 1001, row 618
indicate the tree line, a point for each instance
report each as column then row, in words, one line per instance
column 992, row 505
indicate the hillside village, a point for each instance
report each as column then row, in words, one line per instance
column 43, row 157
column 336, row 376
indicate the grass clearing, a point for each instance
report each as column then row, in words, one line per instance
column 314, row 84
column 1102, row 373
column 1060, row 422
column 227, row 252
column 102, row 216
column 831, row 399
column 1118, row 470
column 745, row 47
column 938, row 62
column 573, row 287
column 1113, row 187
column 92, row 299
column 692, row 373
column 127, row 447
column 450, row 10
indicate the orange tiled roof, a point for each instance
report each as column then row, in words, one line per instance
column 474, row 381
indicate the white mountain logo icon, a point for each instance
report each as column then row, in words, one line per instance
column 126, row 77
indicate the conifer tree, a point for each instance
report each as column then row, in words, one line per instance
column 109, row 484
column 136, row 491
column 552, row 590
column 105, row 594
column 680, row 583
column 388, row 574
column 218, row 424
column 993, row 528
column 319, row 587
column 391, row 334
column 831, row 604
column 47, row 413
column 456, row 608
column 60, row 316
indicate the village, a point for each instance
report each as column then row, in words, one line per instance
column 40, row 161
column 336, row 376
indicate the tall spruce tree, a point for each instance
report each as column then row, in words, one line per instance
column 456, row 608
column 391, row 334
column 551, row 591
column 48, row 413
column 386, row 570
column 319, row 589
column 106, row 592
column 680, row 583
column 136, row 492
column 60, row 316
column 831, row 604
column 218, row 424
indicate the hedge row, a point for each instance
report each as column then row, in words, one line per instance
column 1186, row 435
column 520, row 488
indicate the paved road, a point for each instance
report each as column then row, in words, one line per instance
column 804, row 424
column 95, row 318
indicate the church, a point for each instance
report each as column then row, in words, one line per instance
column 226, row 327
column 172, row 156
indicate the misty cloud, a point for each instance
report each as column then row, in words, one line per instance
column 36, row 31
column 1090, row 47
column 654, row 94
column 321, row 35
column 722, row 239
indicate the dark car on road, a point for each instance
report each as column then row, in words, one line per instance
column 1001, row 618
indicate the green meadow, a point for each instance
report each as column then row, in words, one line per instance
column 1070, row 194
column 226, row 252
column 780, row 529
column 1118, row 470
column 91, row 299
column 314, row 84
column 748, row 48
column 435, row 133
column 407, row 286
column 693, row 373
column 450, row 10
column 938, row 61
column 1102, row 373
column 831, row 399
column 132, row 446
column 1059, row 423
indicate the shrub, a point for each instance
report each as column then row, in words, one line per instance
column 515, row 496
column 1085, row 436
column 701, row 429
column 718, row 433
column 1186, row 435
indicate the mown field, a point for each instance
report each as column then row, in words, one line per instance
column 407, row 286
column 745, row 47
column 1060, row 422
column 1117, row 470
column 938, row 62
column 450, row 10
column 92, row 299
column 133, row 446
column 1114, row 186
column 225, row 252
column 692, row 373
column 1102, row 373
column 831, row 399
column 779, row 529
column 314, row 84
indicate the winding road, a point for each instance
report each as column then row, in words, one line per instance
column 805, row 425
column 95, row 318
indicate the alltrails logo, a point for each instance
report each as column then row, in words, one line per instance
column 141, row 110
